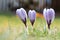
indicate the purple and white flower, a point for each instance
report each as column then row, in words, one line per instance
column 49, row 15
column 32, row 16
column 22, row 14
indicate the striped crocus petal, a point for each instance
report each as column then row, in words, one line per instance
column 45, row 14
column 21, row 14
column 51, row 14
column 32, row 16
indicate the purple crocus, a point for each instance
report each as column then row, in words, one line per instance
column 49, row 15
column 32, row 16
column 22, row 15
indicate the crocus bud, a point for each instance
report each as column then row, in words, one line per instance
column 22, row 15
column 32, row 16
column 49, row 15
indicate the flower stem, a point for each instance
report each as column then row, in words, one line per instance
column 48, row 26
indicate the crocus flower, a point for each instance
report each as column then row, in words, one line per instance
column 49, row 15
column 32, row 16
column 22, row 15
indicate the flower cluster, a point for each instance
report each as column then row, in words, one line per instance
column 49, row 15
column 23, row 15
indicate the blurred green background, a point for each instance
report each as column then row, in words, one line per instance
column 12, row 28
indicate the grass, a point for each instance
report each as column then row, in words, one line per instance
column 12, row 28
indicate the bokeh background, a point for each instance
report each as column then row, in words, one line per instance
column 12, row 28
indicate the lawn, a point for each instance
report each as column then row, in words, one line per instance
column 12, row 28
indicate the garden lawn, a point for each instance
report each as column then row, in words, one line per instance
column 12, row 28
